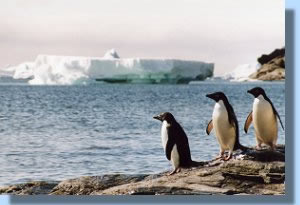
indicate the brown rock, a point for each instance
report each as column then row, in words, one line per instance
column 30, row 188
column 273, row 66
column 88, row 184
column 253, row 172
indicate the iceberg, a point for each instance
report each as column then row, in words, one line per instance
column 242, row 72
column 111, row 54
column 68, row 70
column 7, row 71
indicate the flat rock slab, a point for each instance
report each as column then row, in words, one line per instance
column 30, row 188
column 254, row 172
column 89, row 184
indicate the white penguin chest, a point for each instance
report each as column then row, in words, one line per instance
column 164, row 134
column 224, row 131
column 220, row 117
column 220, row 112
column 262, row 109
column 175, row 158
column 264, row 119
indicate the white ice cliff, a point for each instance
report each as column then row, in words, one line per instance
column 67, row 70
column 242, row 72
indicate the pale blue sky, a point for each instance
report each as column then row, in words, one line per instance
column 227, row 33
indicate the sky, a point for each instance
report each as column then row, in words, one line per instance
column 228, row 33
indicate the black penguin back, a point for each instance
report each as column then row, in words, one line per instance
column 179, row 137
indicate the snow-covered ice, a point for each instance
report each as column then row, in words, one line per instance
column 111, row 54
column 7, row 70
column 242, row 72
column 67, row 70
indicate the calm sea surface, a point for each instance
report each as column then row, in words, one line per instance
column 60, row 132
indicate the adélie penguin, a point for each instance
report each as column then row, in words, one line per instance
column 175, row 143
column 264, row 117
column 225, row 124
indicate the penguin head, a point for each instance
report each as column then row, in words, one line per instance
column 165, row 116
column 217, row 96
column 257, row 91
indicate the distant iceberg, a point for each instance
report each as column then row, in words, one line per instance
column 7, row 71
column 111, row 54
column 242, row 72
column 67, row 70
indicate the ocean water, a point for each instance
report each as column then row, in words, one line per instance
column 62, row 132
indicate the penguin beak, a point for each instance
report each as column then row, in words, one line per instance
column 249, row 91
column 211, row 96
column 157, row 117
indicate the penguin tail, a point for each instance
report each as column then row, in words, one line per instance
column 241, row 147
column 197, row 164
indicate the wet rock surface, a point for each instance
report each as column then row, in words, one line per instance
column 254, row 172
column 30, row 188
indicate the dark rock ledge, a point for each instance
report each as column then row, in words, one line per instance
column 256, row 172
column 272, row 66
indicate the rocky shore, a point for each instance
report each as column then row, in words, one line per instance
column 254, row 172
column 272, row 66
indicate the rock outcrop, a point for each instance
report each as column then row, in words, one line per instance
column 273, row 66
column 255, row 172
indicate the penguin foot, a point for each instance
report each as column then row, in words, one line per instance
column 228, row 157
column 258, row 147
column 174, row 171
column 273, row 147
column 220, row 156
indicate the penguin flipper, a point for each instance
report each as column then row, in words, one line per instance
column 209, row 127
column 248, row 122
column 169, row 147
column 275, row 111
column 280, row 121
column 277, row 115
